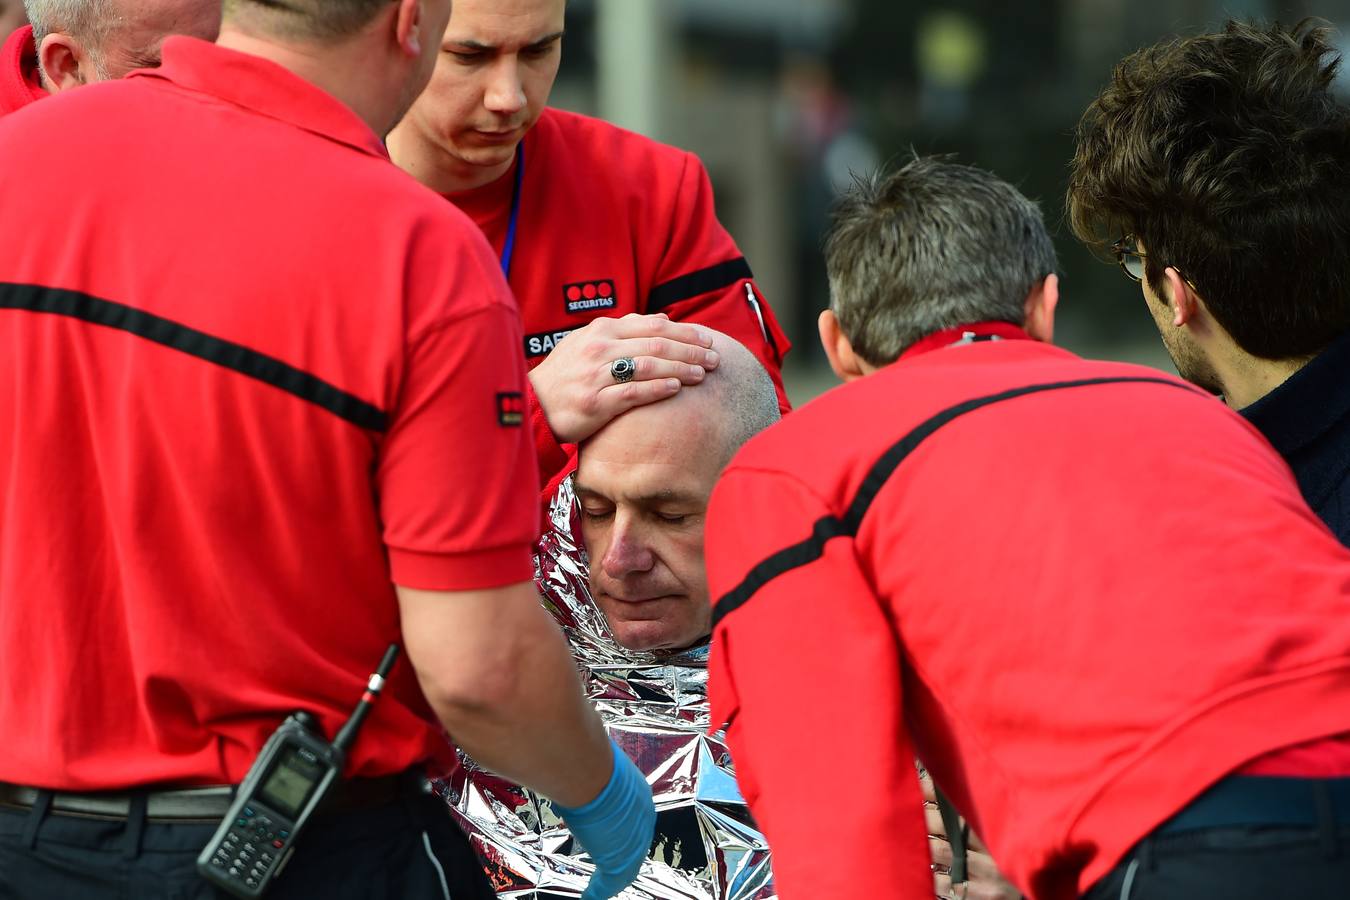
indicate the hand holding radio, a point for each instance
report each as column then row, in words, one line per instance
column 616, row 828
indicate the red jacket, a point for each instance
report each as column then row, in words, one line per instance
column 1079, row 606
column 20, row 84
column 217, row 451
column 612, row 223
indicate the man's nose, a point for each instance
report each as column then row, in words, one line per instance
column 505, row 94
column 627, row 553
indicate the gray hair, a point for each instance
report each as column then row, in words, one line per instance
column 931, row 246
column 746, row 397
column 86, row 19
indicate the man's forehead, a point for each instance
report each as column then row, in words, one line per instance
column 646, row 466
column 647, row 462
column 500, row 23
column 679, row 430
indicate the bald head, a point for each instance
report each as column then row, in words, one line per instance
column 735, row 401
column 644, row 482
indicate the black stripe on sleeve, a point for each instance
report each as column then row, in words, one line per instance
column 695, row 284
column 830, row 527
column 237, row 358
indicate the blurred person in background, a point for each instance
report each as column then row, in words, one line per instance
column 231, row 480
column 978, row 521
column 1217, row 169
column 75, row 42
column 11, row 16
column 591, row 223
column 819, row 126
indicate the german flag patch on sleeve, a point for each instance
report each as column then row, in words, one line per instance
column 511, row 409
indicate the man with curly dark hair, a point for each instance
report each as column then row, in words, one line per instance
column 1216, row 168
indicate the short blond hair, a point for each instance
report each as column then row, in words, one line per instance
column 88, row 20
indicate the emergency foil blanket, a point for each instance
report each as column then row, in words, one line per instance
column 707, row 846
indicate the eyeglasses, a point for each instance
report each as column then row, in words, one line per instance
column 1131, row 261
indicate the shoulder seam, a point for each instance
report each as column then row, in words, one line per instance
column 441, row 323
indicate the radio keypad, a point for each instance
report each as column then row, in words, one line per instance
column 251, row 847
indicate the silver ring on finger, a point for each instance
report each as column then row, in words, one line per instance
column 623, row 369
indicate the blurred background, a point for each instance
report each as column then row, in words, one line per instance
column 782, row 99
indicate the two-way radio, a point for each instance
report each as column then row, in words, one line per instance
column 292, row 776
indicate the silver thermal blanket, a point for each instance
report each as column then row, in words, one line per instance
column 655, row 705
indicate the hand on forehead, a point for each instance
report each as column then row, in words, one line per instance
column 697, row 430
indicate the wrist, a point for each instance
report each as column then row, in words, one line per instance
column 544, row 402
column 611, row 796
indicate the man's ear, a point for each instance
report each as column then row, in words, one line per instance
column 1181, row 298
column 1042, row 301
column 408, row 27
column 64, row 63
column 838, row 349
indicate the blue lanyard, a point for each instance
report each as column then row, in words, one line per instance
column 509, row 249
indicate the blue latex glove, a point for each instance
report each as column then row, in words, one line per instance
column 616, row 828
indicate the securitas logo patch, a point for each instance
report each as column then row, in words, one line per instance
column 585, row 296
column 510, row 410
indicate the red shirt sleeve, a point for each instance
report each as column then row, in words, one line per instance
column 458, row 481
column 807, row 669
column 20, row 83
column 703, row 278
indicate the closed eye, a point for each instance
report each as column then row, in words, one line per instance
column 539, row 52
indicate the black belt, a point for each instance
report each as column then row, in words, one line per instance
column 207, row 804
column 1265, row 801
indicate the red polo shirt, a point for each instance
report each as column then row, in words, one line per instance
column 612, row 223
column 20, row 83
column 250, row 374
column 1080, row 605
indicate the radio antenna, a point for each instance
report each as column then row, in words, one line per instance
column 346, row 736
